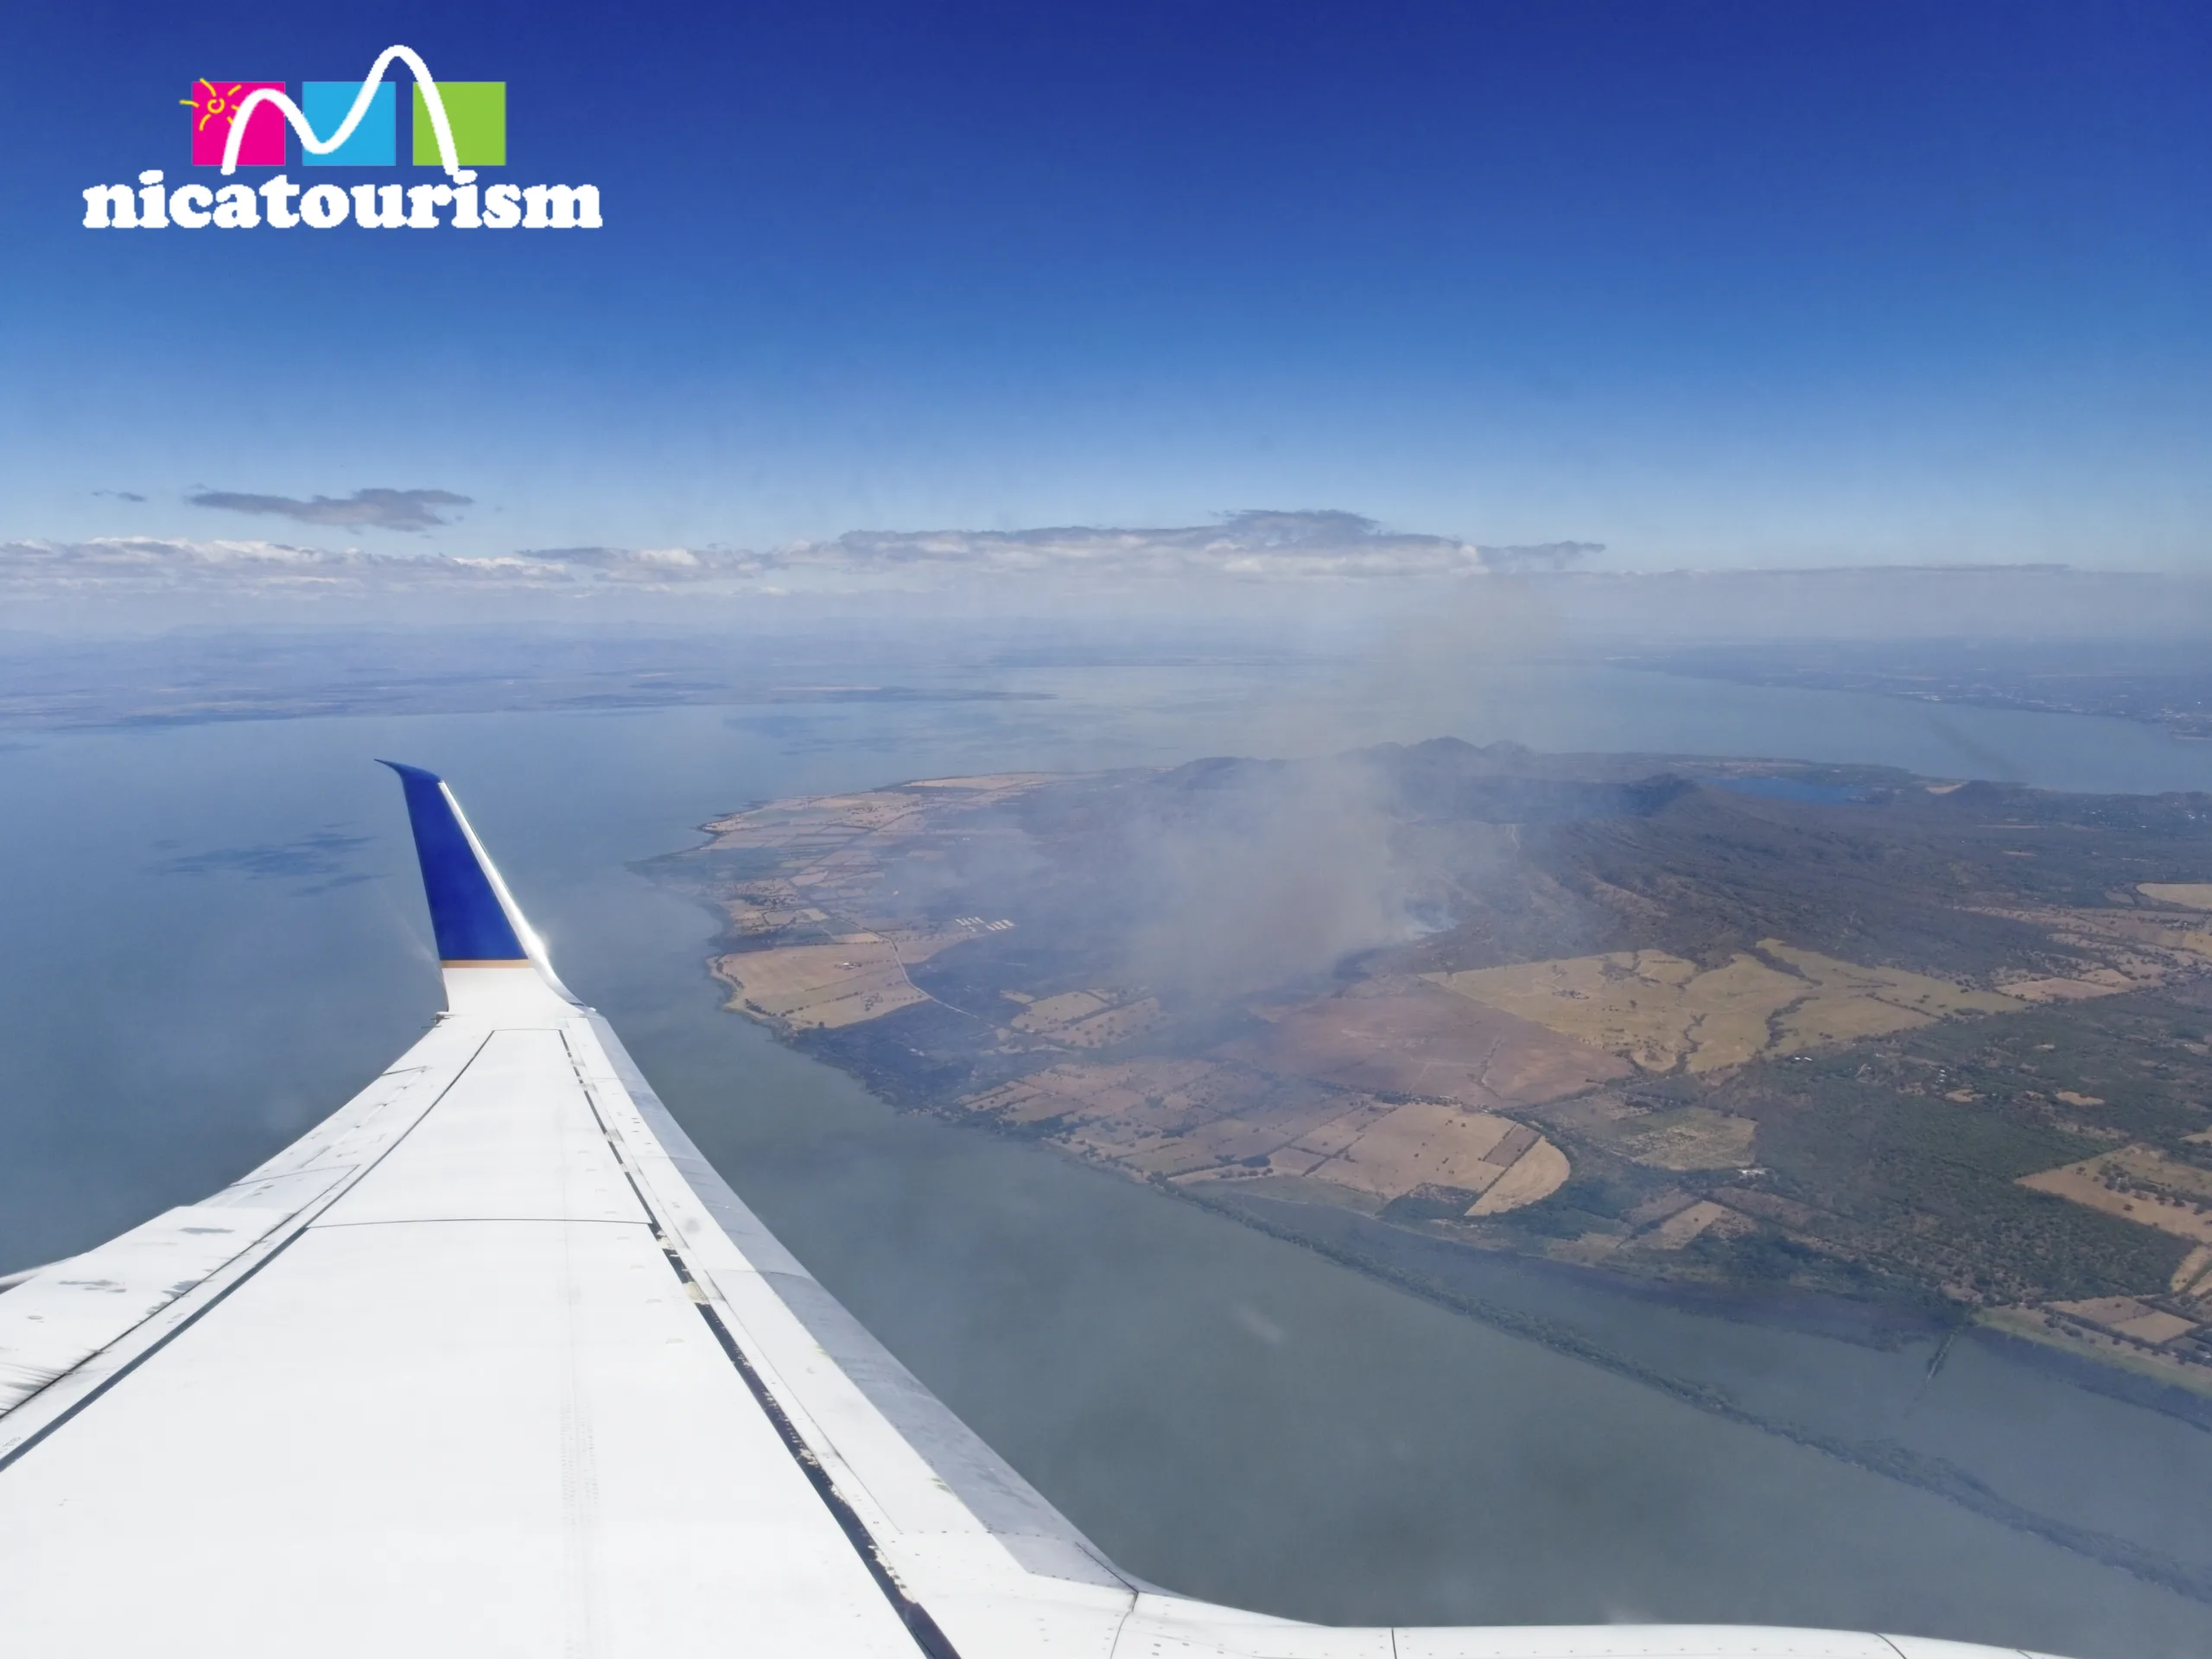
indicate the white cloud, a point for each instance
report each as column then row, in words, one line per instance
column 1256, row 546
column 149, row 564
column 665, row 565
column 1245, row 547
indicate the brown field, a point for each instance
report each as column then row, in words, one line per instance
column 821, row 822
column 1331, row 1136
column 2095, row 981
column 2043, row 1324
column 1200, row 1120
column 997, row 784
column 812, row 986
column 2153, row 937
column 1054, row 1012
column 1538, row 1173
column 1425, row 1143
column 1093, row 1019
column 2113, row 950
column 1839, row 983
column 1657, row 1010
column 2138, row 1184
column 1401, row 1037
column 1664, row 1013
column 2190, row 895
column 2194, row 1267
column 2124, row 1316
column 1394, row 1150
column 2153, row 1169
column 1177, row 1117
column 1164, row 1095
column 1694, row 1221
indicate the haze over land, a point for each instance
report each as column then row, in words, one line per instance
column 1732, row 1023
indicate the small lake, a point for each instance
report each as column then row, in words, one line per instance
column 215, row 936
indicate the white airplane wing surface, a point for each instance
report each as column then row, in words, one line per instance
column 492, row 1363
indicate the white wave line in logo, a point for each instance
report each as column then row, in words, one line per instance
column 315, row 146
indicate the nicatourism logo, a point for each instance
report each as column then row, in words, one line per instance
column 459, row 125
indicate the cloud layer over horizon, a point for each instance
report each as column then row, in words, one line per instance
column 1259, row 546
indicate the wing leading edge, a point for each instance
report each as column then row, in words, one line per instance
column 493, row 1361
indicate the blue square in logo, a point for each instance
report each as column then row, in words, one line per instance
column 375, row 143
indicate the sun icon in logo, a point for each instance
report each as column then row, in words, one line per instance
column 214, row 106
column 209, row 102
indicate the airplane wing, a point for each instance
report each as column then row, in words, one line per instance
column 493, row 1363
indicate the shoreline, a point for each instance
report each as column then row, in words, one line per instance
column 1447, row 1273
column 1937, row 1476
column 1881, row 1325
column 2200, row 732
column 1886, row 1327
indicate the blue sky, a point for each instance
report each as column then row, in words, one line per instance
column 1709, row 284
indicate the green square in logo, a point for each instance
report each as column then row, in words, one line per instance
column 477, row 111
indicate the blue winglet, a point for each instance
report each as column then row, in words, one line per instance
column 471, row 924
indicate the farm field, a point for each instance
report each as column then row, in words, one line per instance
column 1666, row 1013
column 1872, row 1035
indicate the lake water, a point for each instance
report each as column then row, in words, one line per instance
column 214, row 935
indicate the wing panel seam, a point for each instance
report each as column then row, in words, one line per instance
column 299, row 1231
column 927, row 1634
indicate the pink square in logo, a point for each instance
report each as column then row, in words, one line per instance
column 215, row 105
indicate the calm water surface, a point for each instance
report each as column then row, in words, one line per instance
column 214, row 936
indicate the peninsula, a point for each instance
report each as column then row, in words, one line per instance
column 1716, row 1024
